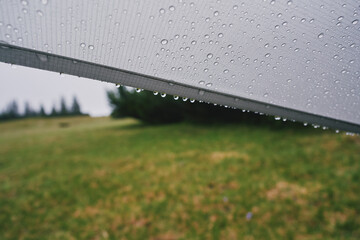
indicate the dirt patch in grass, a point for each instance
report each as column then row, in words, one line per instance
column 284, row 190
column 217, row 157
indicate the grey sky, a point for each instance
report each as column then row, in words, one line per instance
column 43, row 87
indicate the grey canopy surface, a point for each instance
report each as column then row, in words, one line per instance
column 296, row 59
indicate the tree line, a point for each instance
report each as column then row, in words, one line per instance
column 159, row 109
column 12, row 110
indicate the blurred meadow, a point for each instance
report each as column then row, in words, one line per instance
column 100, row 178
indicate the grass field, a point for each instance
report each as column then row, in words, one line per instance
column 97, row 178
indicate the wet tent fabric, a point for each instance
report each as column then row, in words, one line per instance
column 296, row 59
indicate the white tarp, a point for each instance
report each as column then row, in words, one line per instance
column 297, row 59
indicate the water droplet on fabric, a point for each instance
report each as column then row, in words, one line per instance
column 42, row 57
column 40, row 13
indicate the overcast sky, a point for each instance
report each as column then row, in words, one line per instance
column 43, row 87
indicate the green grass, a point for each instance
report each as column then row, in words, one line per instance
column 86, row 178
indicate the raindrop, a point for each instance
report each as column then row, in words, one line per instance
column 155, row 93
column 44, row 2
column 216, row 13
column 210, row 55
column 164, row 41
column 321, row 35
column 138, row 90
column 171, row 8
column 193, row 42
column 117, row 85
column 192, row 100
column 42, row 57
column 82, row 45
column 176, row 97
column 163, row 95
column 162, row 11
column 91, row 47
column 355, row 21
column 184, row 99
column 209, row 84
column 40, row 13
column 24, row 2
column 220, row 35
